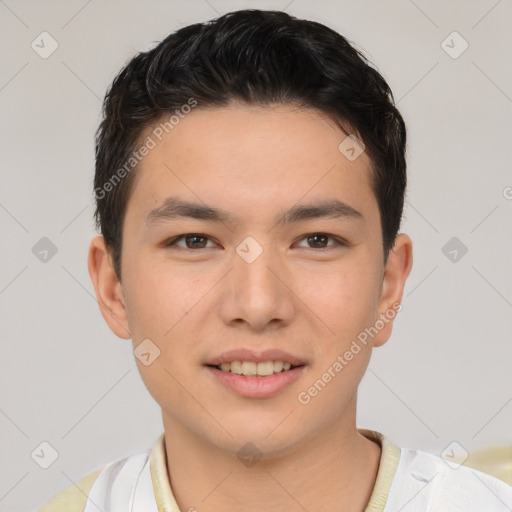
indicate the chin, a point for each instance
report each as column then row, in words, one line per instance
column 272, row 436
column 255, row 444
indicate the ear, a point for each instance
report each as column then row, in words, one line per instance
column 397, row 269
column 108, row 289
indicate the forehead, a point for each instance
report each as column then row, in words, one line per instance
column 243, row 154
column 281, row 133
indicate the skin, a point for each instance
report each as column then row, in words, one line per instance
column 195, row 303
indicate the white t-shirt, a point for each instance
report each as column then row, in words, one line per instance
column 407, row 481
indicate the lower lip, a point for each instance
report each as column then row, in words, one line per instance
column 257, row 387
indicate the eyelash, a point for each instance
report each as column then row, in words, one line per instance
column 171, row 243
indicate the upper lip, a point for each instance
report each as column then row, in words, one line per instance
column 244, row 354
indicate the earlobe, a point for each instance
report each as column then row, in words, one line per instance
column 398, row 268
column 108, row 288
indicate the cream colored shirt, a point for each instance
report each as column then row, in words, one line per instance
column 407, row 481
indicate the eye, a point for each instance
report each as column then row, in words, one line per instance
column 192, row 241
column 319, row 240
column 199, row 241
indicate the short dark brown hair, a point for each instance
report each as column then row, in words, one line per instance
column 257, row 57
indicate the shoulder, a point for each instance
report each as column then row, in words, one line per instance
column 117, row 478
column 74, row 497
column 424, row 481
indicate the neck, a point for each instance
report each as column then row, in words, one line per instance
column 336, row 469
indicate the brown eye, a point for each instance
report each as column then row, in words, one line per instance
column 319, row 241
column 198, row 241
column 192, row 241
column 195, row 241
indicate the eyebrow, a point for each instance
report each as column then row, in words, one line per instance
column 173, row 208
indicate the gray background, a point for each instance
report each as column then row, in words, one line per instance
column 67, row 380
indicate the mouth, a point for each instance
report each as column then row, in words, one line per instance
column 252, row 374
column 253, row 369
column 252, row 379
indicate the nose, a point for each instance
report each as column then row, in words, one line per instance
column 258, row 293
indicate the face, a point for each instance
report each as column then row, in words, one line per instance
column 280, row 262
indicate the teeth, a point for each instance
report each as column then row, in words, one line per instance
column 249, row 368
column 252, row 368
column 235, row 367
column 278, row 366
column 266, row 368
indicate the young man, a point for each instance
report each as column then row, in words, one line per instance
column 250, row 178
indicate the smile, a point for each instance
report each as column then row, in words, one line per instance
column 251, row 368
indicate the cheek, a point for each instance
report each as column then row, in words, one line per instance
column 161, row 309
column 348, row 306
column 344, row 300
column 168, row 307
column 158, row 299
